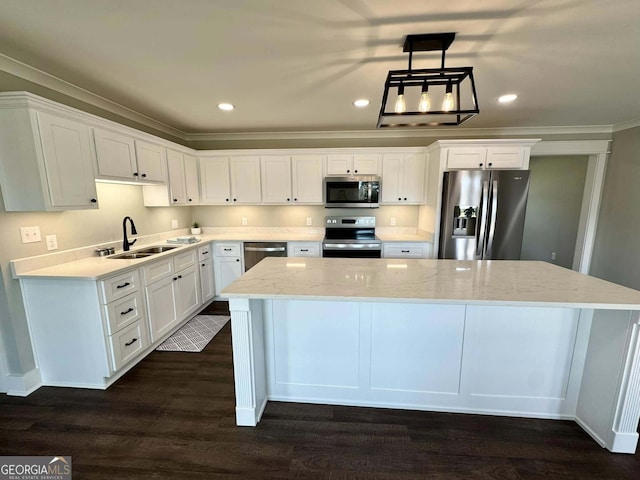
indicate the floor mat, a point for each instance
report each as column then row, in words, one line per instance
column 195, row 334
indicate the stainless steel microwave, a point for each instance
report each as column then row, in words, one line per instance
column 352, row 192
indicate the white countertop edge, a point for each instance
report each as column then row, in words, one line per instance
column 440, row 301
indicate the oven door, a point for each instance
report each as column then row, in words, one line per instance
column 352, row 192
column 351, row 250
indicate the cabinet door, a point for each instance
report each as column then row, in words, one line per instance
column 177, row 184
column 467, row 157
column 206, row 280
column 505, row 157
column 189, row 293
column 365, row 164
column 191, row 179
column 161, row 306
column 215, row 183
column 338, row 164
column 116, row 155
column 276, row 179
column 307, row 178
column 151, row 162
column 68, row 162
column 392, row 165
column 413, row 179
column 245, row 180
column 227, row 269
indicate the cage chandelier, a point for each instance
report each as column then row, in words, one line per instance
column 428, row 97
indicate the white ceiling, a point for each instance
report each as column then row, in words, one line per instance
column 297, row 65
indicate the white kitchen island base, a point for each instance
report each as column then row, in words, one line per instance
column 526, row 360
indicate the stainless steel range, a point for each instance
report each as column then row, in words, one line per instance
column 351, row 237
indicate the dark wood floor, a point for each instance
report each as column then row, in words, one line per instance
column 172, row 417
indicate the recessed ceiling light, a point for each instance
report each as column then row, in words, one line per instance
column 226, row 106
column 361, row 102
column 507, row 98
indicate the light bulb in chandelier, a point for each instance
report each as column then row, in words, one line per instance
column 447, row 103
column 425, row 101
column 401, row 106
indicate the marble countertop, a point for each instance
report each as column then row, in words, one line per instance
column 497, row 282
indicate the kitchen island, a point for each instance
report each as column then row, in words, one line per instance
column 510, row 338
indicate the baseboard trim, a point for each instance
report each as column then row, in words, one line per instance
column 24, row 385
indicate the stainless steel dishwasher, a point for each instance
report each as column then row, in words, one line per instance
column 256, row 251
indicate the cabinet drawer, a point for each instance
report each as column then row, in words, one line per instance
column 123, row 312
column 303, row 250
column 185, row 259
column 157, row 270
column 406, row 250
column 205, row 252
column 119, row 286
column 227, row 250
column 128, row 343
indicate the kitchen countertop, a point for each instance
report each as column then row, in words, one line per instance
column 497, row 282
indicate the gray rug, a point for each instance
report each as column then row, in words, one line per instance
column 195, row 334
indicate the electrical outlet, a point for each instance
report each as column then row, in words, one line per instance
column 309, row 222
column 553, row 255
column 30, row 234
column 393, row 221
column 52, row 242
column 244, row 221
column 174, row 223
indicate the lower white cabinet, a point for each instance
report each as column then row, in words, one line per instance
column 227, row 264
column 174, row 294
column 205, row 255
column 406, row 250
column 303, row 249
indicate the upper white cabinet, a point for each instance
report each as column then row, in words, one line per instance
column 46, row 161
column 120, row 157
column 403, row 178
column 182, row 187
column 230, row 180
column 353, row 164
column 483, row 154
column 293, row 179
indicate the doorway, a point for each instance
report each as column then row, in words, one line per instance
column 553, row 208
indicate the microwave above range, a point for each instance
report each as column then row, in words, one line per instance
column 362, row 191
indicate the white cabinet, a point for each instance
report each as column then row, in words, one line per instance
column 352, row 164
column 293, row 179
column 406, row 250
column 182, row 187
column 230, row 180
column 303, row 249
column 46, row 162
column 120, row 157
column 227, row 264
column 403, row 178
column 483, row 154
column 172, row 291
column 205, row 256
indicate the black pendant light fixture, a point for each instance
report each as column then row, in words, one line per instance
column 428, row 97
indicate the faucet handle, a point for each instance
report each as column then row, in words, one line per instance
column 131, row 243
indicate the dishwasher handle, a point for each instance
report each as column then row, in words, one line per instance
column 265, row 249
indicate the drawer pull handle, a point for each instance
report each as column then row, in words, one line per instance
column 127, row 311
column 125, row 284
column 175, row 278
column 128, row 344
column 304, row 249
column 179, row 276
column 405, row 251
column 205, row 252
column 227, row 249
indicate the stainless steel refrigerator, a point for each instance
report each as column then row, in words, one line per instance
column 482, row 214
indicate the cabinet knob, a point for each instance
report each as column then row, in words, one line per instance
column 237, row 259
column 405, row 199
column 135, row 174
column 235, row 199
column 295, row 199
column 481, row 164
column 490, row 163
column 175, row 199
column 179, row 276
column 348, row 171
column 204, row 264
column 191, row 199
column 144, row 175
column 94, row 200
column 399, row 198
column 355, row 171
column 175, row 278
column 227, row 199
column 288, row 199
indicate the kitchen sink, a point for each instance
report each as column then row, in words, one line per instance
column 143, row 252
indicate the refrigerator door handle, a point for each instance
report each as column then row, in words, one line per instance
column 480, row 234
column 494, row 213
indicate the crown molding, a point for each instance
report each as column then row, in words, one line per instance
column 403, row 133
column 40, row 77
column 626, row 125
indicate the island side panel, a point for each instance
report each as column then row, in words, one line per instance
column 609, row 404
column 247, row 334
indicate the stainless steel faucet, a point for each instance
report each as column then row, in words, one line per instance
column 125, row 242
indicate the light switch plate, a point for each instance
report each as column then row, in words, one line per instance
column 309, row 222
column 244, row 221
column 52, row 242
column 393, row 221
column 30, row 234
column 174, row 223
